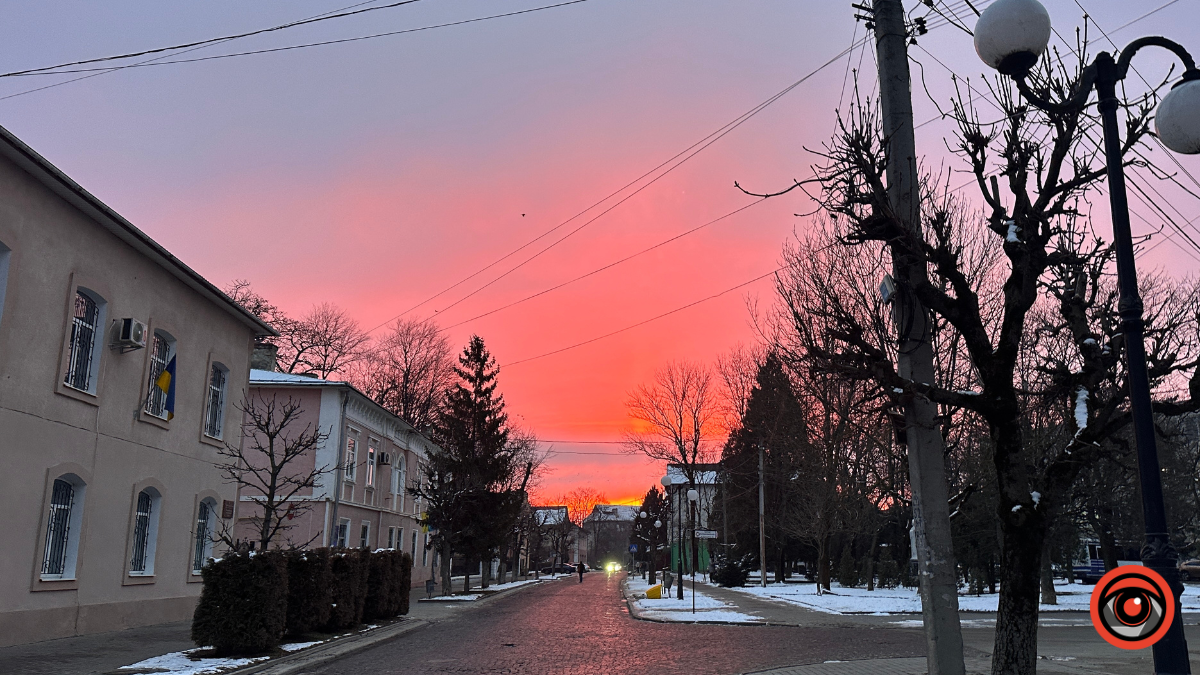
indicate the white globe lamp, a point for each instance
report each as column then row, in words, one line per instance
column 1177, row 120
column 1011, row 35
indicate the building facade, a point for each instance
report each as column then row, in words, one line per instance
column 609, row 528
column 369, row 458
column 119, row 366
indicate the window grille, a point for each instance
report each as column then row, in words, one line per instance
column 83, row 342
column 365, row 535
column 213, row 422
column 351, row 458
column 343, row 532
column 54, row 558
column 203, row 528
column 398, row 476
column 141, row 533
column 160, row 355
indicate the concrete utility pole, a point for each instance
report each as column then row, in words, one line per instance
column 931, row 520
column 762, row 523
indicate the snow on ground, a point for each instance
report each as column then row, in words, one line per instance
column 179, row 663
column 297, row 646
column 676, row 610
column 884, row 601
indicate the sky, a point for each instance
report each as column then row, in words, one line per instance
column 377, row 173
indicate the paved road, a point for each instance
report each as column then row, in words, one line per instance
column 568, row 628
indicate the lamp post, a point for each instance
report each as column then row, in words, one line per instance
column 1010, row 36
column 654, row 549
column 667, row 482
column 692, row 496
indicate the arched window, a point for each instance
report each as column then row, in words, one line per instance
column 398, row 481
column 202, row 548
column 62, row 528
column 84, row 359
column 214, row 416
column 162, row 352
column 145, row 532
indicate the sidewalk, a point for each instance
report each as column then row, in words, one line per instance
column 104, row 653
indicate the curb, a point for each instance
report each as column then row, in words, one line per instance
column 484, row 595
column 315, row 656
column 636, row 613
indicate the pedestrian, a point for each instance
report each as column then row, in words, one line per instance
column 580, row 568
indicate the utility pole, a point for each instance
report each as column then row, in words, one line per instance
column 762, row 523
column 931, row 520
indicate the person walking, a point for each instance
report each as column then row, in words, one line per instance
column 580, row 568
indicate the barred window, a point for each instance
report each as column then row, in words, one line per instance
column 141, row 533
column 84, row 324
column 398, row 480
column 203, row 543
column 351, row 458
column 365, row 534
column 160, row 356
column 214, row 418
column 343, row 532
column 58, row 531
column 372, row 456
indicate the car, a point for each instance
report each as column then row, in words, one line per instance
column 560, row 568
column 1190, row 569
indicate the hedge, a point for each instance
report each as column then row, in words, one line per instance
column 243, row 605
column 349, row 588
column 388, row 579
column 310, row 590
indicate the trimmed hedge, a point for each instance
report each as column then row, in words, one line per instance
column 349, row 588
column 388, row 579
column 310, row 590
column 243, row 605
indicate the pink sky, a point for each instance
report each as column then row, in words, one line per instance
column 377, row 174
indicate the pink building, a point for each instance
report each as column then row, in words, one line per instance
column 111, row 493
column 364, row 503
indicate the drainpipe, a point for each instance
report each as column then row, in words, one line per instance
column 340, row 470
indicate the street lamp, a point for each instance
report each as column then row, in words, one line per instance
column 692, row 496
column 1010, row 36
column 667, row 483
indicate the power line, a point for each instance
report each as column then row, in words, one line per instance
column 335, row 42
column 44, row 70
column 646, row 321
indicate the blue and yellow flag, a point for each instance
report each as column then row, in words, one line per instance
column 166, row 382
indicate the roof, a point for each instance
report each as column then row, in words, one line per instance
column 550, row 515
column 613, row 513
column 269, row 377
column 59, row 183
column 706, row 474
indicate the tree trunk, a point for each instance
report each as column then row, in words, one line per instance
column 991, row 575
column 1015, row 651
column 823, row 562
column 485, row 570
column 466, row 575
column 1108, row 543
column 1049, row 597
column 445, row 569
column 869, row 567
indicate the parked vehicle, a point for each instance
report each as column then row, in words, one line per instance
column 560, row 568
column 1090, row 566
column 1190, row 569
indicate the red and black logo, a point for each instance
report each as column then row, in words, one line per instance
column 1132, row 607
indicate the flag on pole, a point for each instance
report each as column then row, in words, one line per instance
column 166, row 382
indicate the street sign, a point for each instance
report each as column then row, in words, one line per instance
column 706, row 534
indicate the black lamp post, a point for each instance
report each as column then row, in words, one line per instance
column 1010, row 36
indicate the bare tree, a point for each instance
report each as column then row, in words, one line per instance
column 407, row 371
column 274, row 465
column 580, row 502
column 738, row 368
column 323, row 342
column 677, row 417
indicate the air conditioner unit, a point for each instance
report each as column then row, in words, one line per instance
column 385, row 459
column 130, row 334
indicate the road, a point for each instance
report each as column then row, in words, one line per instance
column 568, row 628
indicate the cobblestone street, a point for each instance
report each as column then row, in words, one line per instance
column 567, row 628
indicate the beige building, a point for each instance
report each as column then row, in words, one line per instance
column 365, row 503
column 110, row 490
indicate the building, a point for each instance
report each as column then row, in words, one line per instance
column 111, row 492
column 556, row 539
column 365, row 503
column 609, row 528
column 706, row 482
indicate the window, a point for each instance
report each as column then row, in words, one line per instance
column 214, row 417
column 62, row 528
column 365, row 534
column 158, row 401
column 5, row 255
column 343, row 532
column 398, row 479
column 84, row 358
column 204, row 529
column 351, row 458
column 145, row 533
column 372, row 456
column 414, row 545
column 424, row 550
column 392, row 538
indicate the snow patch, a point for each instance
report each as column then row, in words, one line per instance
column 680, row 611
column 1037, row 497
column 1012, row 237
column 1081, row 410
column 1016, row 508
column 181, row 663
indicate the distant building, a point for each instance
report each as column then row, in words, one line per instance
column 558, row 540
column 119, row 370
column 608, row 529
column 366, row 503
column 705, row 480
